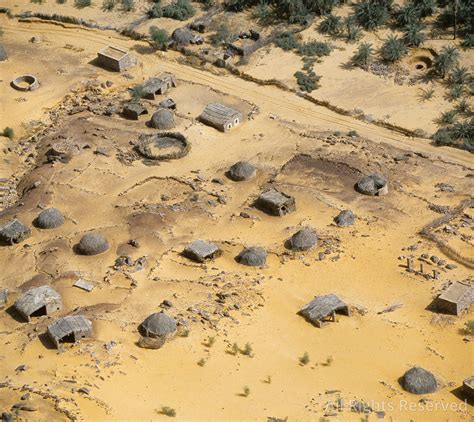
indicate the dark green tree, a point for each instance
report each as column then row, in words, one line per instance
column 393, row 49
column 159, row 37
column 413, row 34
column 331, row 25
column 446, row 60
column 364, row 55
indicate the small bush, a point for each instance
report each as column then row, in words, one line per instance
column 201, row 362
column 61, row 1
column 372, row 13
column 180, row 10
column 330, row 25
column 459, row 76
column 286, row 41
column 263, row 13
column 168, row 411
column 159, row 37
column 222, row 35
column 447, row 117
column 108, row 5
column 235, row 349
column 455, row 92
column 353, row 32
column 329, row 361
column 468, row 41
column 8, row 132
column 314, row 48
column 469, row 327
column 268, row 379
column 463, row 107
column 246, row 392
column 447, row 59
column 307, row 81
column 304, row 360
column 210, row 341
column 393, row 49
column 80, row 4
column 207, row 4
column 247, row 351
column 363, row 56
column 128, row 5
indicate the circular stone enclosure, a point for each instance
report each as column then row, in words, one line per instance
column 25, row 83
column 163, row 146
column 421, row 60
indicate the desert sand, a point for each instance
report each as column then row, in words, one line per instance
column 300, row 148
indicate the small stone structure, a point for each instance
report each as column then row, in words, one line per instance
column 115, row 58
column 38, row 301
column 162, row 146
column 25, row 83
column 168, row 103
column 468, row 387
column 158, row 325
column 133, row 110
column 220, row 117
column 242, row 170
column 49, row 218
column 275, row 203
column 14, row 232
column 374, row 185
column 63, row 151
column 223, row 60
column 345, row 218
column 71, row 328
column 162, row 119
column 419, row 381
column 201, row 250
column 253, row 256
column 158, row 85
column 323, row 309
column 303, row 240
column 455, row 299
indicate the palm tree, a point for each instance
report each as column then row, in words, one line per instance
column 330, row 25
column 353, row 31
column 407, row 15
column 459, row 76
column 446, row 60
column 363, row 55
column 393, row 49
column 413, row 36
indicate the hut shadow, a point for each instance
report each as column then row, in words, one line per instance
column 95, row 62
column 46, row 341
column 14, row 314
column 459, row 394
column 142, row 49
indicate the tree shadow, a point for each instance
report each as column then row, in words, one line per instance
column 47, row 342
column 143, row 49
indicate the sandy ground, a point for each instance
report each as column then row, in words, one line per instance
column 358, row 358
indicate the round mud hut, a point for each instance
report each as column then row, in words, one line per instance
column 253, row 256
column 158, row 325
column 374, row 185
column 92, row 244
column 242, row 170
column 163, row 119
column 303, row 240
column 49, row 218
column 419, row 381
column 345, row 218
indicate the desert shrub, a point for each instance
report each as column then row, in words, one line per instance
column 248, row 350
column 8, row 132
column 201, row 362
column 322, row 7
column 159, row 37
column 372, row 13
column 223, row 34
column 80, row 4
column 447, row 117
column 460, row 135
column 353, row 32
column 468, row 41
column 459, row 76
column 286, row 41
column 407, row 15
column 455, row 92
column 246, row 392
column 128, row 5
column 314, row 48
column 364, row 55
column 304, row 360
column 156, row 11
column 108, row 5
column 168, row 411
column 36, row 1
column 235, row 349
column 180, row 10
column 469, row 327
column 446, row 60
column 413, row 35
column 263, row 12
column 330, row 25
column 307, row 81
column 329, row 361
column 210, row 341
column 393, row 49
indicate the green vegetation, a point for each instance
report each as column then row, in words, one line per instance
column 314, row 48
column 128, row 5
column 307, row 81
column 331, row 25
column 223, row 34
column 459, row 135
column 371, row 14
column 180, row 10
column 8, row 132
column 446, row 60
column 80, row 4
column 286, row 41
column 108, row 5
column 427, row 94
column 469, row 327
column 363, row 56
column 413, row 35
column 159, row 37
column 393, row 49
column 352, row 30
column 207, row 4
column 304, row 360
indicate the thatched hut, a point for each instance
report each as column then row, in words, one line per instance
column 69, row 329
column 419, row 381
column 323, row 309
column 133, row 110
column 49, row 218
column 38, row 301
column 162, row 119
column 303, row 240
column 253, row 256
column 374, row 185
column 455, row 299
column 275, row 203
column 14, row 232
column 201, row 250
column 220, row 117
column 158, row 325
column 158, row 85
column 92, row 244
column 242, row 170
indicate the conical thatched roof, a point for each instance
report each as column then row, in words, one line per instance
column 92, row 244
column 242, row 170
column 49, row 218
column 163, row 119
column 253, row 256
column 345, row 218
column 303, row 240
column 419, row 381
column 373, row 184
column 158, row 325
